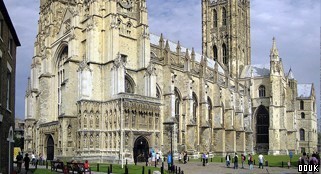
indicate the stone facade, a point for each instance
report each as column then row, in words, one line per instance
column 102, row 86
column 8, row 44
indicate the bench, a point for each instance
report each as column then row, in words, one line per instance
column 77, row 168
column 55, row 165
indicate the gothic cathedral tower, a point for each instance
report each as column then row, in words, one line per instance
column 226, row 33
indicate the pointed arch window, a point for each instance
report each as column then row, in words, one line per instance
column 129, row 85
column 225, row 59
column 61, row 75
column 214, row 18
column 195, row 105
column 210, row 106
column 301, row 105
column 262, row 91
column 215, row 53
column 302, row 135
column 302, row 115
column 224, row 16
column 177, row 111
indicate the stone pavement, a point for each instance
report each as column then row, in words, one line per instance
column 213, row 168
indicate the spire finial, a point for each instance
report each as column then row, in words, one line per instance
column 274, row 54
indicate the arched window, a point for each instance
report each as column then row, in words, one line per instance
column 301, row 105
column 61, row 75
column 210, row 106
column 225, row 59
column 195, row 105
column 223, row 16
column 302, row 135
column 215, row 53
column 129, row 86
column 214, row 18
column 302, row 115
column 262, row 91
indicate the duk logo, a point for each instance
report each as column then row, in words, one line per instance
column 308, row 168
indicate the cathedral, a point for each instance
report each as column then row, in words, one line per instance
column 102, row 87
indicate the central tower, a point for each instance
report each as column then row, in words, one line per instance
column 226, row 33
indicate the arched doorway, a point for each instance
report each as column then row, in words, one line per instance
column 50, row 148
column 141, row 149
column 262, row 130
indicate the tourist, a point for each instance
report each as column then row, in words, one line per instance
column 227, row 158
column 261, row 159
column 243, row 159
column 185, row 157
column 236, row 161
column 86, row 166
column 157, row 158
column 169, row 161
column 203, row 158
column 19, row 159
column 250, row 161
column 153, row 158
column 304, row 159
column 33, row 159
column 26, row 160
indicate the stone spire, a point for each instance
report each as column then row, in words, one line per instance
column 274, row 53
column 290, row 74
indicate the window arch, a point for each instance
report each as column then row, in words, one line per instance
column 129, row 84
column 195, row 105
column 210, row 106
column 302, row 135
column 225, row 59
column 262, row 91
column 215, row 53
column 214, row 18
column 302, row 115
column 223, row 16
column 301, row 105
column 62, row 57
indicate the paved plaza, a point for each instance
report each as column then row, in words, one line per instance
column 212, row 168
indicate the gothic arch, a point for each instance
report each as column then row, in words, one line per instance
column 195, row 106
column 262, row 121
column 50, row 147
column 60, row 49
column 141, row 149
column 129, row 84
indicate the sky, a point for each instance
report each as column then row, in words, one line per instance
column 294, row 23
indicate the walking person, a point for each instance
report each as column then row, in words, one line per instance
column 243, row 159
column 19, row 159
column 185, row 157
column 261, row 159
column 203, row 158
column 169, row 161
column 26, row 160
column 236, row 161
column 251, row 162
column 227, row 158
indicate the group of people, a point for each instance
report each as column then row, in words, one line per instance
column 183, row 157
column 154, row 157
column 250, row 160
column 22, row 160
column 314, row 159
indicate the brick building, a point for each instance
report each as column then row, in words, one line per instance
column 8, row 43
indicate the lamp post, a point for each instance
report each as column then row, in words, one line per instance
column 171, row 121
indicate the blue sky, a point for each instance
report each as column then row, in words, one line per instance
column 294, row 23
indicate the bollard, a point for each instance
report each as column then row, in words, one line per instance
column 97, row 167
column 111, row 168
column 155, row 163
column 126, row 162
column 266, row 163
column 162, row 170
column 163, row 165
column 126, row 169
column 176, row 169
column 108, row 171
column 282, row 164
column 36, row 166
column 179, row 170
column 211, row 159
column 221, row 160
column 46, row 164
column 188, row 158
column 149, row 172
column 182, row 172
column 143, row 171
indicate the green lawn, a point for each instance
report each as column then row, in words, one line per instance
column 274, row 161
column 132, row 169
